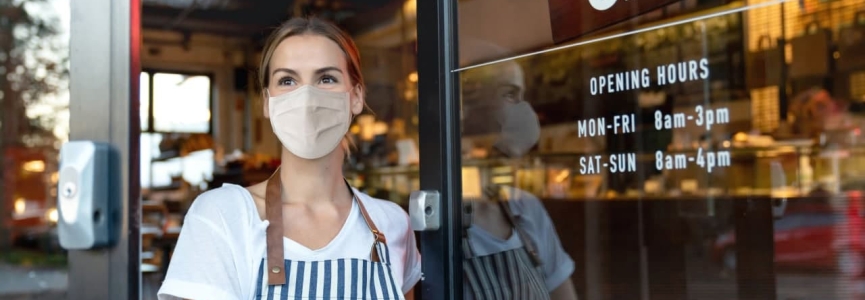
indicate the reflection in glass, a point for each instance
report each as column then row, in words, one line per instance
column 718, row 158
column 510, row 247
column 34, row 122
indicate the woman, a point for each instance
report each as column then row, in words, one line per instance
column 510, row 246
column 304, row 233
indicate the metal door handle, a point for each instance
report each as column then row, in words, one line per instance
column 424, row 209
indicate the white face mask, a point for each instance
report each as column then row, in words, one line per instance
column 521, row 129
column 310, row 122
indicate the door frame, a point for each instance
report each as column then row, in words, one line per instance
column 104, row 51
column 439, row 117
column 105, row 57
column 110, row 114
column 439, row 128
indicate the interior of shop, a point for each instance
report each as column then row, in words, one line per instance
column 764, row 145
column 776, row 142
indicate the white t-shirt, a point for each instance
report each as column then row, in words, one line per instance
column 223, row 241
column 530, row 214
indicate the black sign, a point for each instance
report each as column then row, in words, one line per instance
column 574, row 18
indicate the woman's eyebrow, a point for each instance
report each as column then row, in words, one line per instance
column 510, row 86
column 289, row 71
column 317, row 72
column 327, row 69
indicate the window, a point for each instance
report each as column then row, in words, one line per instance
column 181, row 103
column 176, row 144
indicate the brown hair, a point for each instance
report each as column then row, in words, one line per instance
column 314, row 26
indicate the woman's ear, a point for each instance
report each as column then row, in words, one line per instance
column 265, row 96
column 357, row 100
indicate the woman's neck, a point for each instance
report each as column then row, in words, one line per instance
column 313, row 181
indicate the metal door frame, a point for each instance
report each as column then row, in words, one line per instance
column 439, row 128
column 103, row 106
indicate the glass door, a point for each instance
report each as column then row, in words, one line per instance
column 34, row 121
column 439, row 155
column 654, row 150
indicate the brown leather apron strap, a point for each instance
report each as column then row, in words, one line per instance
column 377, row 235
column 275, row 234
column 273, row 212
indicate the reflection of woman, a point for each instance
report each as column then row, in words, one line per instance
column 304, row 233
column 511, row 248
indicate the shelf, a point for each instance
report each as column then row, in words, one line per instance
column 173, row 154
column 172, row 187
column 165, row 156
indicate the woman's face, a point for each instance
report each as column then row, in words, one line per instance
column 486, row 91
column 311, row 60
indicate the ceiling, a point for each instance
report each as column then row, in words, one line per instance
column 255, row 18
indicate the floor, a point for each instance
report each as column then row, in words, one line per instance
column 22, row 283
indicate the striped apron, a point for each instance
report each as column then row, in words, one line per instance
column 509, row 275
column 347, row 278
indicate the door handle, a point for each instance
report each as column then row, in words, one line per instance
column 424, row 209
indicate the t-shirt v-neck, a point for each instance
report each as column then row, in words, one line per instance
column 485, row 243
column 354, row 239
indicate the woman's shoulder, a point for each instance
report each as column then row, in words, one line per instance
column 229, row 202
column 523, row 202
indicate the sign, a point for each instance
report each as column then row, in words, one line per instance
column 700, row 117
column 574, row 18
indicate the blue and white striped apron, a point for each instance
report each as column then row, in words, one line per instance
column 344, row 279
column 350, row 278
column 508, row 275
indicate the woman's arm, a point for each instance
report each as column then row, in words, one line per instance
column 557, row 264
column 411, row 270
column 410, row 294
column 565, row 291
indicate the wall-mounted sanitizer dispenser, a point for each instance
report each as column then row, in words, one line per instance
column 88, row 195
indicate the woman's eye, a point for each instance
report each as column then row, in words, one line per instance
column 286, row 81
column 511, row 96
column 328, row 80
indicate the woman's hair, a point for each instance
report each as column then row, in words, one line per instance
column 311, row 26
column 314, row 26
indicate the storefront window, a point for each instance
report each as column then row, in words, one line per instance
column 663, row 149
column 34, row 122
column 653, row 149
